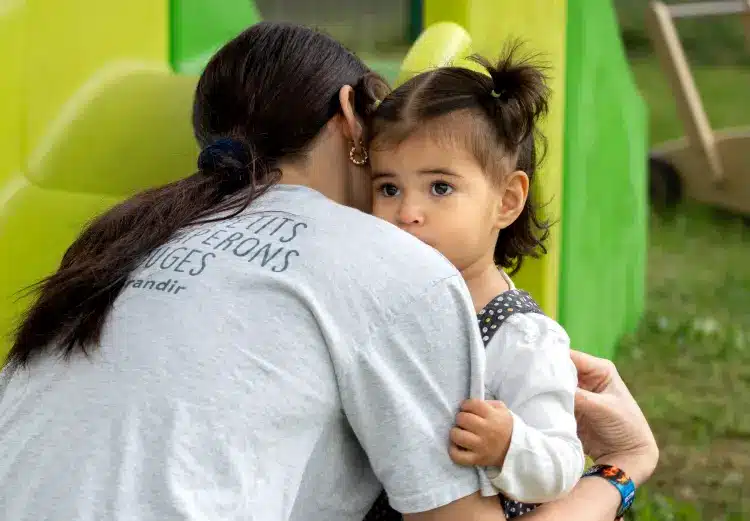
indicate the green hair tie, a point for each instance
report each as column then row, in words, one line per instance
column 495, row 94
column 376, row 104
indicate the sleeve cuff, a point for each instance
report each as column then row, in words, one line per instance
column 538, row 468
column 505, row 478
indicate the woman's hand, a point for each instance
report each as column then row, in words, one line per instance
column 611, row 426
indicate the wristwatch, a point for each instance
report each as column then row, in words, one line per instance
column 620, row 480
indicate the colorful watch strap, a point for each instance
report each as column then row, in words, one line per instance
column 620, row 480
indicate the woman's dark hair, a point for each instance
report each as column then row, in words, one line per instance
column 261, row 99
column 495, row 116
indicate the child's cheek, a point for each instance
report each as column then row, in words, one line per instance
column 378, row 208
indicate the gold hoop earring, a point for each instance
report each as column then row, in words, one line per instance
column 359, row 161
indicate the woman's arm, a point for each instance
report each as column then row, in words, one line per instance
column 592, row 499
column 614, row 432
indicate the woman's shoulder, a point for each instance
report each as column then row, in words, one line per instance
column 344, row 246
column 391, row 260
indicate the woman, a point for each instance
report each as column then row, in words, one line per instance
column 236, row 345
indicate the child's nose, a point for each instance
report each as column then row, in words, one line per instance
column 410, row 213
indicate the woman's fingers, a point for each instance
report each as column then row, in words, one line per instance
column 594, row 374
column 614, row 431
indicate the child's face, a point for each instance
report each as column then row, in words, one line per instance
column 440, row 194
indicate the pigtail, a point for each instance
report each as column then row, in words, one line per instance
column 369, row 91
column 517, row 101
column 519, row 96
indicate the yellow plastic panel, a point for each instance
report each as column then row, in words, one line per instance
column 12, row 107
column 39, row 225
column 102, row 117
column 133, row 134
column 439, row 45
column 127, row 129
column 11, row 99
column 71, row 41
column 541, row 24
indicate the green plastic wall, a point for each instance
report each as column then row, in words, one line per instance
column 200, row 27
column 604, row 237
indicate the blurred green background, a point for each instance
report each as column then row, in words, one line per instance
column 689, row 362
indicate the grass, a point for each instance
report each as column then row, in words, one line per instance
column 689, row 362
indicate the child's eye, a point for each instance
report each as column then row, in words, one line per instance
column 389, row 190
column 441, row 189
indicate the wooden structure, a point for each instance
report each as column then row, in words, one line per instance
column 712, row 167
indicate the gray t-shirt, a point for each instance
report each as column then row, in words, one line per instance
column 279, row 365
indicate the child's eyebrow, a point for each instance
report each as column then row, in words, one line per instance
column 379, row 175
column 439, row 171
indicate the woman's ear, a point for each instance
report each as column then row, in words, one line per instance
column 513, row 195
column 352, row 125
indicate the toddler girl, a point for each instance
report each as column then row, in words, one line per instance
column 454, row 153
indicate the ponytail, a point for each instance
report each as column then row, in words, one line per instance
column 518, row 96
column 72, row 304
column 368, row 93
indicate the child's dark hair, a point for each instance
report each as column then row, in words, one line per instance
column 262, row 99
column 496, row 115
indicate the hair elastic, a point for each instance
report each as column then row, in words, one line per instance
column 496, row 95
column 227, row 147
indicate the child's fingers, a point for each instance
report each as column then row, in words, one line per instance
column 478, row 407
column 470, row 422
column 465, row 439
column 461, row 456
column 497, row 404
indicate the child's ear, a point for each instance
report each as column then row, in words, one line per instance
column 513, row 194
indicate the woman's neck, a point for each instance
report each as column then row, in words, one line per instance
column 485, row 282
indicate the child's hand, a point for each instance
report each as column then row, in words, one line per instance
column 482, row 434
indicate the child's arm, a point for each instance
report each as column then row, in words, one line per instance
column 531, row 447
